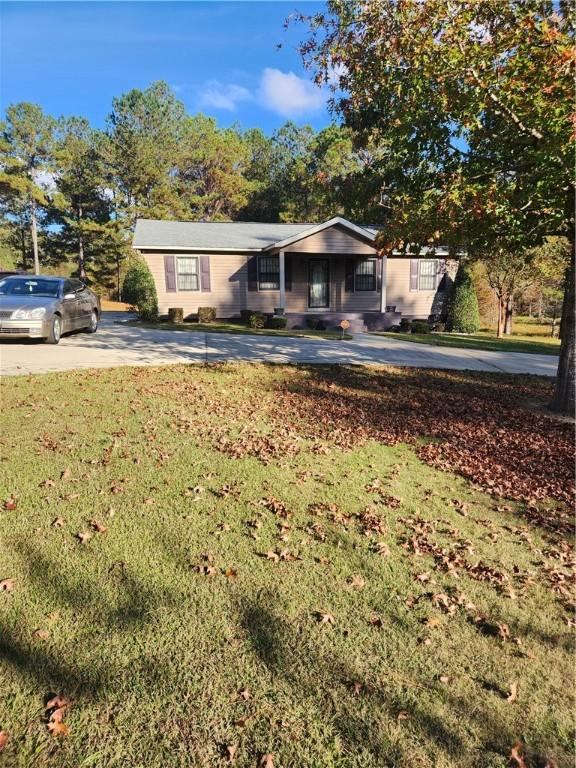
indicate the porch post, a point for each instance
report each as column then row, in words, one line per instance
column 282, row 281
column 383, row 283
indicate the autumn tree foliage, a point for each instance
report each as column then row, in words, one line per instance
column 470, row 106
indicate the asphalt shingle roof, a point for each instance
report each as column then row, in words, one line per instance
column 236, row 235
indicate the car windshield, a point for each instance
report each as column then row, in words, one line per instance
column 33, row 286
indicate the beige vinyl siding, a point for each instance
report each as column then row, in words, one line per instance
column 411, row 303
column 228, row 283
column 335, row 239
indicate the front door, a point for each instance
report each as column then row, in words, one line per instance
column 318, row 284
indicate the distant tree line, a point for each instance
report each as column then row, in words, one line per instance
column 70, row 194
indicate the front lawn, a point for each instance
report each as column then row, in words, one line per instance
column 230, row 326
column 284, row 566
column 486, row 340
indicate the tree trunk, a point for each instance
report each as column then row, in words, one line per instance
column 34, row 232
column 565, row 391
column 500, row 325
column 81, row 262
column 509, row 309
column 23, row 249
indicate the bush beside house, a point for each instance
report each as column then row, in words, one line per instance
column 463, row 314
column 139, row 290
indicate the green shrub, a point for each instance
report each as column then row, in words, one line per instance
column 256, row 320
column 420, row 326
column 139, row 290
column 405, row 325
column 313, row 323
column 440, row 327
column 277, row 323
column 206, row 314
column 245, row 314
column 176, row 315
column 463, row 314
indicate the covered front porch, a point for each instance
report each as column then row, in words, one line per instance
column 325, row 288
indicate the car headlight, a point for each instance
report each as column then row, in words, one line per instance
column 29, row 314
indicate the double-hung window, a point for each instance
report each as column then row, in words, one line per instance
column 365, row 275
column 187, row 272
column 268, row 273
column 427, row 274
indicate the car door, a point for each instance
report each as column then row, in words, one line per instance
column 85, row 303
column 71, row 305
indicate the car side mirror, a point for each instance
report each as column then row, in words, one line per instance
column 69, row 295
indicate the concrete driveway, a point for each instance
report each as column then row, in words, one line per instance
column 116, row 344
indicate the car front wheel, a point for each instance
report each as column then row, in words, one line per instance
column 55, row 331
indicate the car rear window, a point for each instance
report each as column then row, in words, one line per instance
column 29, row 286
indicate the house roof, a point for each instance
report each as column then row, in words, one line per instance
column 230, row 236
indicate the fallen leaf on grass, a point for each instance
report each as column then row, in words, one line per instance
column 10, row 505
column 325, row 618
column 65, row 474
column 241, row 721
column 513, row 695
column 231, row 573
column 57, row 702
column 98, row 526
column 377, row 622
column 356, row 581
column 83, row 536
column 6, row 585
column 41, row 634
column 58, row 522
column 231, row 752
column 432, row 622
column 402, row 715
column 56, row 707
column 58, row 728
column 267, row 760
column 445, row 679
column 245, row 694
column 3, row 739
column 516, row 756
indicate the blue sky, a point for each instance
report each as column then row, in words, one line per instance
column 221, row 58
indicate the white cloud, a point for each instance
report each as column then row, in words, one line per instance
column 335, row 73
column 223, row 95
column 289, row 95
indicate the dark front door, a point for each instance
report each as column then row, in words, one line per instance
column 318, row 284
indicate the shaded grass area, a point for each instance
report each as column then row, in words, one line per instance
column 222, row 326
column 484, row 340
column 192, row 472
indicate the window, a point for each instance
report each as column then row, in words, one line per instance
column 427, row 274
column 365, row 275
column 268, row 273
column 187, row 272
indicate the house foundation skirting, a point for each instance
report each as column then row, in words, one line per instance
column 359, row 321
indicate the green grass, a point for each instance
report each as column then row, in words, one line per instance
column 153, row 654
column 486, row 340
column 222, row 326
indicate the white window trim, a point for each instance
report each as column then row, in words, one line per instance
column 178, row 273
column 369, row 290
column 267, row 256
column 428, row 290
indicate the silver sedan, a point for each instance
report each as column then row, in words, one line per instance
column 41, row 307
